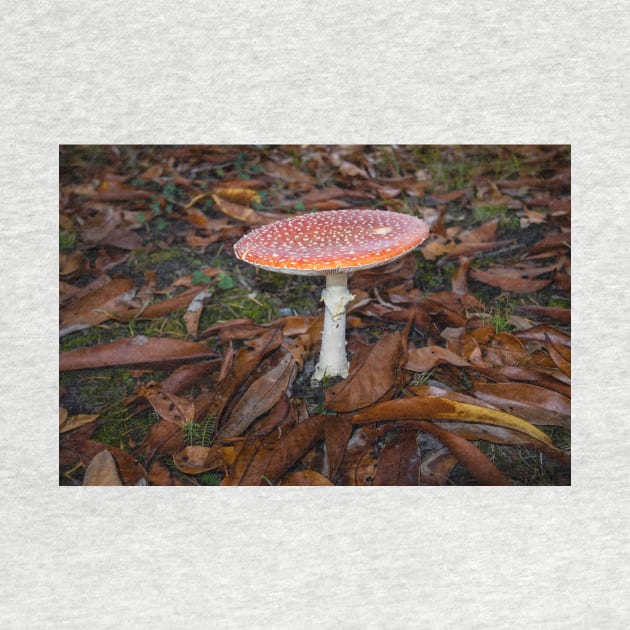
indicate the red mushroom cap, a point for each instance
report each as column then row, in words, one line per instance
column 336, row 241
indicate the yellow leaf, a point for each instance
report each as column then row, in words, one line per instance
column 427, row 408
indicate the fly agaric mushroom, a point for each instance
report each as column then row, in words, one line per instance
column 332, row 244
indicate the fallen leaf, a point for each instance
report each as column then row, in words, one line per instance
column 186, row 376
column 163, row 437
column 473, row 248
column 159, row 475
column 94, row 307
column 243, row 196
column 418, row 408
column 169, row 406
column 360, row 460
column 562, row 315
column 289, row 174
column 448, row 197
column 245, row 362
column 542, row 332
column 530, row 402
column 170, row 305
column 469, row 455
column 425, row 359
column 139, row 350
column 193, row 460
column 244, row 213
column 129, row 470
column 399, row 460
column 506, row 281
column 295, row 443
column 194, row 310
column 436, row 468
column 561, row 356
column 261, row 396
column 101, row 471
column 69, row 423
column 305, row 478
column 251, row 462
column 369, row 381
column 337, row 432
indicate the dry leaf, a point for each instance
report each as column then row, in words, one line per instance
column 101, row 471
column 139, row 350
column 399, row 461
column 261, row 396
column 369, row 381
column 305, row 478
column 469, row 455
column 418, row 408
column 193, row 460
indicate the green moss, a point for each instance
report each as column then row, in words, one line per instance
column 559, row 302
column 483, row 213
column 67, row 240
column 430, row 277
column 103, row 392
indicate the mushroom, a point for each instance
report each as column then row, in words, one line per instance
column 332, row 243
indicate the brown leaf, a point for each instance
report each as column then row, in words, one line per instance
column 305, row 478
column 163, row 437
column 193, row 460
column 159, row 475
column 337, row 432
column 560, row 314
column 194, row 310
column 261, row 396
column 541, row 332
column 245, row 362
column 291, row 175
column 555, row 241
column 453, row 195
column 69, row 423
column 170, row 305
column 502, row 349
column 359, row 463
column 70, row 263
column 186, row 376
column 421, row 408
column 506, row 282
column 424, row 359
column 170, row 407
column 469, row 455
column 139, row 350
column 129, row 470
column 292, row 445
column 399, row 461
column 123, row 238
column 244, row 213
column 561, row 356
column 101, row 471
column 482, row 234
column 508, row 374
column 94, row 307
column 251, row 461
column 243, row 196
column 436, row 467
column 281, row 414
column 473, row 248
column 458, row 281
column 369, row 381
column 531, row 402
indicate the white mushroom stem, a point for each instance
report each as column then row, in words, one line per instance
column 332, row 359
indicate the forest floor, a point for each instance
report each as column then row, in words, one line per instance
column 181, row 365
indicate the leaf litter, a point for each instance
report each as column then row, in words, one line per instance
column 460, row 352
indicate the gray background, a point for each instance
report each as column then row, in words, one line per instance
column 267, row 72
